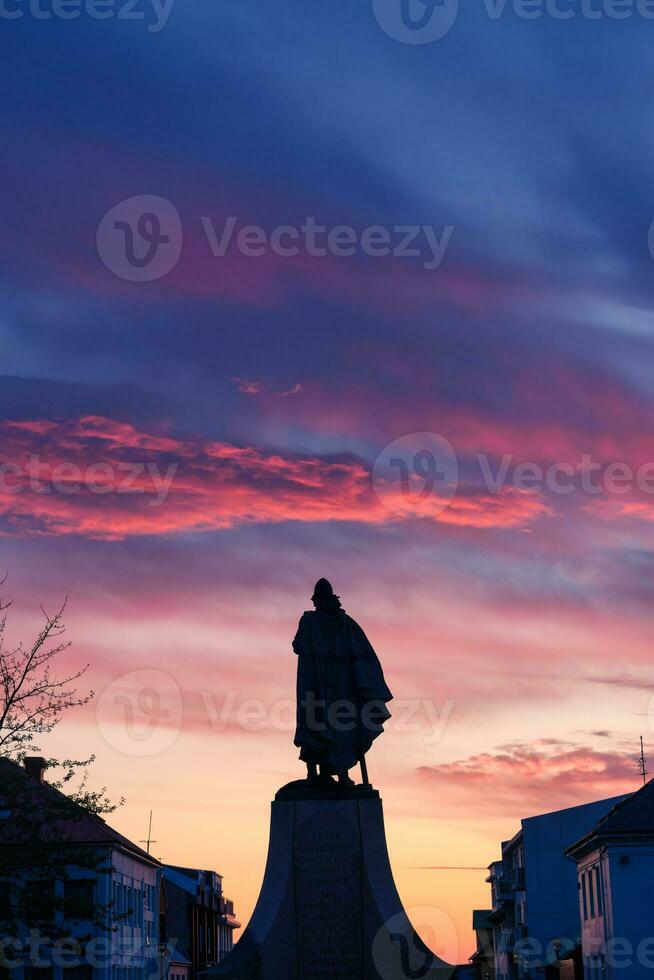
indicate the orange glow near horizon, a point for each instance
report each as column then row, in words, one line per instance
column 474, row 744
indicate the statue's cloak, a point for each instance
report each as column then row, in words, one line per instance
column 341, row 691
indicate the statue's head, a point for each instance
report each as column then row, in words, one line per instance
column 323, row 597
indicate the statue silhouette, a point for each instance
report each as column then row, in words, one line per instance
column 341, row 691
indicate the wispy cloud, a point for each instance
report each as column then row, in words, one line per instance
column 106, row 479
column 528, row 779
column 264, row 387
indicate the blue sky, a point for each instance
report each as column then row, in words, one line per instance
column 272, row 383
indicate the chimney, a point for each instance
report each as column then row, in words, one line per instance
column 35, row 767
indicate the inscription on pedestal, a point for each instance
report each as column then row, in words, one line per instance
column 327, row 865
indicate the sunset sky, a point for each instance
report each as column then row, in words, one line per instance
column 245, row 399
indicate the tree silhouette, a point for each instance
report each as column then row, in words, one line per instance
column 32, row 698
column 45, row 827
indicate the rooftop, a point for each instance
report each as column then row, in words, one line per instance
column 78, row 827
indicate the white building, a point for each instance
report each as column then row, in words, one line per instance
column 535, row 914
column 615, row 871
column 109, row 911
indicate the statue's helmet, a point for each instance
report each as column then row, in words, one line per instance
column 323, row 591
column 323, row 597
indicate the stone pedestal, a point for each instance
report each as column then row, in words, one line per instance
column 328, row 908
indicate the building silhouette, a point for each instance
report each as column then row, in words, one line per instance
column 483, row 958
column 198, row 917
column 113, row 914
column 535, row 908
column 615, row 875
column 129, row 917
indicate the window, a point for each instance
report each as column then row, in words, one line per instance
column 138, row 907
column 78, row 900
column 39, row 902
column 39, row 973
column 584, row 895
column 5, row 900
column 598, row 890
column 82, row 972
column 591, row 893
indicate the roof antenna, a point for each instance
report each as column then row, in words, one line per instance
column 642, row 763
column 149, row 841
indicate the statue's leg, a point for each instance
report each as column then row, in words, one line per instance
column 312, row 771
column 344, row 779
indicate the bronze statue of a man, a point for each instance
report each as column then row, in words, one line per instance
column 341, row 691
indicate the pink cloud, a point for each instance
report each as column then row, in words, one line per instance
column 612, row 428
column 533, row 778
column 106, row 479
column 262, row 387
column 640, row 510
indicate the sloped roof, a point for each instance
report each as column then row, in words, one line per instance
column 83, row 828
column 635, row 815
column 183, row 881
column 178, row 956
column 481, row 919
column 631, row 817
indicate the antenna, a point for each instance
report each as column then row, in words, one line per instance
column 149, row 841
column 642, row 762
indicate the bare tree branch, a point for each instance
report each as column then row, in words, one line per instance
column 32, row 696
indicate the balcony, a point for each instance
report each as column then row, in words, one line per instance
column 503, row 890
column 504, row 942
column 518, row 879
